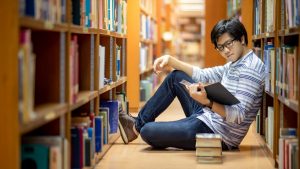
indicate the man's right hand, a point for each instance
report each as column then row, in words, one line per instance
column 161, row 62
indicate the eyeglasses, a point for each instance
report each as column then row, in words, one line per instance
column 228, row 44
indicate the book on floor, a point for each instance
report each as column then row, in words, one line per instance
column 210, row 160
column 208, row 140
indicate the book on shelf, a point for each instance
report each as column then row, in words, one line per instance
column 26, row 84
column 101, row 66
column 288, row 148
column 113, row 106
column 56, row 146
column 104, row 112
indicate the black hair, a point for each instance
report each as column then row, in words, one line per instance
column 231, row 26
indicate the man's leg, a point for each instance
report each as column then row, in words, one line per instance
column 164, row 96
column 179, row 134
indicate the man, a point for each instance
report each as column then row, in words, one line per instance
column 243, row 76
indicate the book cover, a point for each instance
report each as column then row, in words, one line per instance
column 208, row 151
column 218, row 93
column 113, row 106
column 209, row 160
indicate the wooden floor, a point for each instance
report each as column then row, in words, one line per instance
column 139, row 155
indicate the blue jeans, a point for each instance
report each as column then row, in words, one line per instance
column 180, row 133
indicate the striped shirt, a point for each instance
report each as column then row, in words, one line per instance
column 245, row 80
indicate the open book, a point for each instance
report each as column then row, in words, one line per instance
column 217, row 93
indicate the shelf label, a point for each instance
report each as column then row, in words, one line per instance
column 49, row 25
column 50, row 116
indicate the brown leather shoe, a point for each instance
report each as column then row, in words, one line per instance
column 126, row 124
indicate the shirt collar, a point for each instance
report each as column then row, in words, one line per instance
column 241, row 59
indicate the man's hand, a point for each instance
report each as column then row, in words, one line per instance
column 198, row 93
column 161, row 62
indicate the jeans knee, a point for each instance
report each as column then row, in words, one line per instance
column 176, row 75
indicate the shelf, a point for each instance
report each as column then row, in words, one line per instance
column 289, row 31
column 111, row 140
column 256, row 37
column 146, row 41
column 83, row 30
column 146, row 71
column 270, row 94
column 268, row 35
column 105, row 32
column 29, row 22
column 44, row 114
column 291, row 104
column 113, row 85
column 83, row 98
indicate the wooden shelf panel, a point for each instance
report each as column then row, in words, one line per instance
column 268, row 35
column 105, row 32
column 289, row 31
column 270, row 94
column 256, row 37
column 106, row 88
column 29, row 22
column 146, row 41
column 291, row 104
column 44, row 114
column 83, row 30
column 83, row 98
column 146, row 71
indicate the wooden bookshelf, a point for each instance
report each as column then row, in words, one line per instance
column 140, row 12
column 52, row 82
column 9, row 125
column 283, row 37
column 211, row 56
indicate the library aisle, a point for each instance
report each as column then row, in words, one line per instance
column 139, row 155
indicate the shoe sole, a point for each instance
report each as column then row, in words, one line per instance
column 123, row 134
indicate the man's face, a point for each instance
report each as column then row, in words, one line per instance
column 230, row 48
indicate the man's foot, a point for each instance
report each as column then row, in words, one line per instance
column 126, row 124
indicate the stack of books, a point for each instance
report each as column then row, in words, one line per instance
column 208, row 148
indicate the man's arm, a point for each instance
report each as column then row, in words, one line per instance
column 167, row 60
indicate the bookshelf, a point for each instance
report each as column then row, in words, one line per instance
column 51, row 64
column 276, row 39
column 142, row 46
column 213, row 13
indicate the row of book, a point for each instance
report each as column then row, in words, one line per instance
column 53, row 11
column 44, row 152
column 91, row 132
column 269, row 20
column 289, row 14
column 288, row 149
column 208, row 148
column 286, row 70
column 26, row 73
column 281, row 68
column 146, row 58
column 269, row 127
column 104, row 14
column 232, row 6
column 148, row 28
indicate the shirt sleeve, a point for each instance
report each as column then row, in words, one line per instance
column 249, row 90
column 208, row 75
